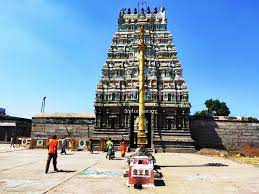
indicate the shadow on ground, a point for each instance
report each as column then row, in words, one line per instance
column 66, row 171
column 202, row 165
column 118, row 159
column 159, row 182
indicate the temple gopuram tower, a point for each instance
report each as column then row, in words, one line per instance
column 167, row 107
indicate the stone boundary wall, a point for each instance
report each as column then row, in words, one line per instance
column 76, row 127
column 229, row 133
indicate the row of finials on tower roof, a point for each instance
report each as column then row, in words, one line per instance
column 143, row 11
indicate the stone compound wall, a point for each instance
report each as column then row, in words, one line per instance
column 63, row 124
column 229, row 133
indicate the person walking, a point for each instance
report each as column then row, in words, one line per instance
column 110, row 149
column 123, row 147
column 107, row 143
column 52, row 153
column 63, row 146
column 12, row 142
column 90, row 146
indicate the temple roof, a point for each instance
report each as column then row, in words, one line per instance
column 64, row 115
column 8, row 117
column 143, row 15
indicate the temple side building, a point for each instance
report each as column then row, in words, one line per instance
column 13, row 127
column 76, row 125
column 167, row 106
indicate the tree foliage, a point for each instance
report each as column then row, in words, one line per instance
column 217, row 108
column 214, row 108
column 203, row 114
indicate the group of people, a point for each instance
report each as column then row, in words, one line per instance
column 110, row 149
column 53, row 148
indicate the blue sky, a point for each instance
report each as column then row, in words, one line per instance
column 56, row 48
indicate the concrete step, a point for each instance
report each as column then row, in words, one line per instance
column 174, row 145
column 172, row 134
column 173, row 139
column 115, row 130
column 157, row 149
column 110, row 132
column 175, row 150
column 171, row 131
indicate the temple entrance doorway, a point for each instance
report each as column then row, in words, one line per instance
column 134, row 129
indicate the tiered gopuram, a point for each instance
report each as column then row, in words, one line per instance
column 167, row 106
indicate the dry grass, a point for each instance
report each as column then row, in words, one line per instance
column 247, row 154
column 212, row 152
column 249, row 150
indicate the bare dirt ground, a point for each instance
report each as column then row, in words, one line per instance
column 22, row 171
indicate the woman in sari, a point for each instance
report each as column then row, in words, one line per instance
column 110, row 149
column 123, row 148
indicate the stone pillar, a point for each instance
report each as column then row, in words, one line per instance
column 174, row 125
column 129, row 119
column 122, row 117
column 187, row 120
column 155, row 120
column 125, row 120
column 169, row 123
column 105, row 120
column 98, row 120
column 119, row 116
column 184, row 119
column 152, row 129
column 101, row 120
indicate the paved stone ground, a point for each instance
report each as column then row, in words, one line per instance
column 22, row 171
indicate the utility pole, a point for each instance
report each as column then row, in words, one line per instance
column 43, row 104
column 141, row 136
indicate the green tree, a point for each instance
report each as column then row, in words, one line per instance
column 217, row 108
column 214, row 108
column 203, row 114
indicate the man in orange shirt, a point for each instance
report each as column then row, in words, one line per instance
column 52, row 153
